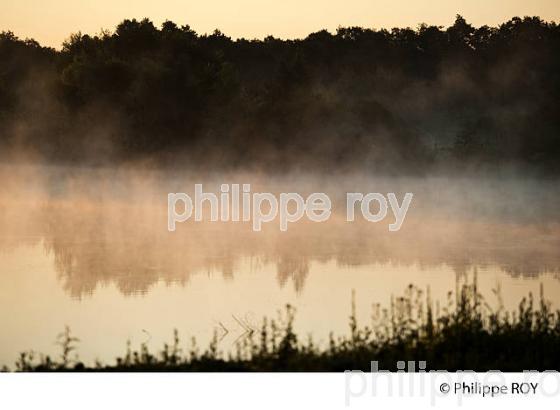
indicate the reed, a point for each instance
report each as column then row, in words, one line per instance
column 463, row 334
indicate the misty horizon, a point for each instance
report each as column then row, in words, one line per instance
column 428, row 100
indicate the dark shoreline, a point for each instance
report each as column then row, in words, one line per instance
column 397, row 102
column 464, row 335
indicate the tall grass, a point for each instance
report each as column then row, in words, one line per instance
column 464, row 334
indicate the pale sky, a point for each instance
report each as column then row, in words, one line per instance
column 51, row 21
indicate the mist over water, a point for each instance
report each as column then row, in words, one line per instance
column 89, row 248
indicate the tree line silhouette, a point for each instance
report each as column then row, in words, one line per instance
column 400, row 100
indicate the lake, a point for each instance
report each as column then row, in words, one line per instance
column 89, row 248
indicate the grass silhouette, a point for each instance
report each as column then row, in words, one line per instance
column 465, row 334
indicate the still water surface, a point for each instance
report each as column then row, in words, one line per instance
column 91, row 250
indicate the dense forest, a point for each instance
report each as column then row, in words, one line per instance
column 405, row 100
